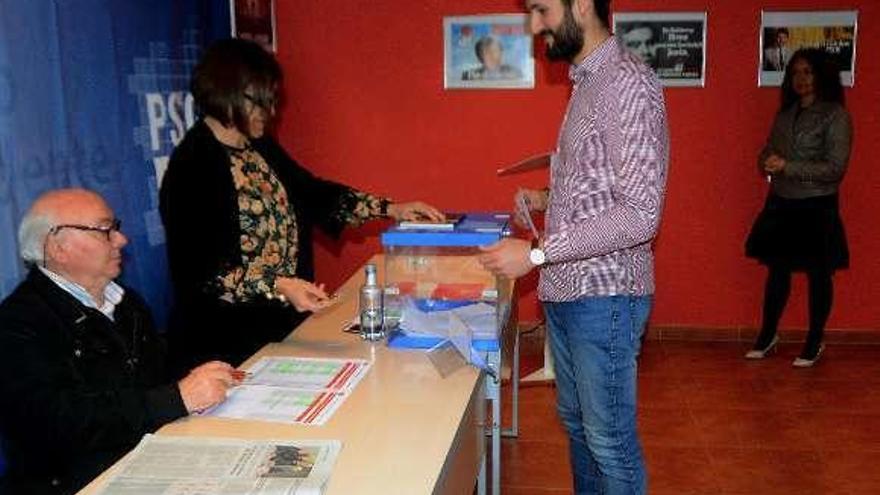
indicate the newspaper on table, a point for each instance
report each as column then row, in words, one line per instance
column 167, row 465
column 293, row 390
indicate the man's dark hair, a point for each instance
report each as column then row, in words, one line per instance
column 826, row 77
column 227, row 70
column 782, row 30
column 602, row 8
column 482, row 44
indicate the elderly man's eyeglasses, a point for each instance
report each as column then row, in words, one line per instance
column 267, row 104
column 107, row 230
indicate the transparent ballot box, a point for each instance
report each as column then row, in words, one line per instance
column 435, row 287
column 438, row 296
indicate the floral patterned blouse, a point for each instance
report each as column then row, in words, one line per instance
column 268, row 225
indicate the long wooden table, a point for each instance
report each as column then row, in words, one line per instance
column 405, row 429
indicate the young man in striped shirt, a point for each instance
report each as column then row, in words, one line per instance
column 607, row 184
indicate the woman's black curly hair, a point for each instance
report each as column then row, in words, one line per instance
column 826, row 77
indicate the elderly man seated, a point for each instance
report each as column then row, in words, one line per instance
column 82, row 371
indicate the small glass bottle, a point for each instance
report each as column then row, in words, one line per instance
column 371, row 312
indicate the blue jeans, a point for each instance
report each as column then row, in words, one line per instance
column 595, row 342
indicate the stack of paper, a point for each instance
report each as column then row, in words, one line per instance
column 293, row 390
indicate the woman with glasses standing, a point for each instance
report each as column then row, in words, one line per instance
column 800, row 229
column 239, row 211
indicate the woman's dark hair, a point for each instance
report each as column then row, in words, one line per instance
column 826, row 77
column 229, row 69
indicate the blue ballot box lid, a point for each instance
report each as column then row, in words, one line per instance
column 473, row 229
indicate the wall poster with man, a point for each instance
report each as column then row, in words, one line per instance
column 671, row 43
column 783, row 33
column 487, row 51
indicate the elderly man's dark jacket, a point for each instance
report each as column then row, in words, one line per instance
column 79, row 390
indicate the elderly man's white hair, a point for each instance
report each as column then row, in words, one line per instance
column 32, row 234
column 43, row 215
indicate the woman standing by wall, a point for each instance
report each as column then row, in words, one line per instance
column 799, row 229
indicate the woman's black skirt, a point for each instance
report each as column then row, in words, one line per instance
column 800, row 234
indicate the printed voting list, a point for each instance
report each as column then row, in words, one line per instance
column 293, row 390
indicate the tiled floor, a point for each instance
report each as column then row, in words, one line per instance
column 714, row 423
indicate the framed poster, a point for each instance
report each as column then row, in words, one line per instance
column 672, row 43
column 254, row 20
column 487, row 51
column 783, row 33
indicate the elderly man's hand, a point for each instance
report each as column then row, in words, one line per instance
column 415, row 210
column 205, row 386
column 508, row 258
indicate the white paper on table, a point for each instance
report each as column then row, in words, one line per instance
column 197, row 465
column 278, row 404
column 293, row 390
column 308, row 373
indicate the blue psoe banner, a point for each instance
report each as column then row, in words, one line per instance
column 94, row 93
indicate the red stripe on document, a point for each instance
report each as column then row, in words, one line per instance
column 316, row 408
column 342, row 375
column 302, row 417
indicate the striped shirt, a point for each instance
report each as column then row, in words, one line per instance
column 607, row 180
column 113, row 293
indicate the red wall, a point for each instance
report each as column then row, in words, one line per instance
column 366, row 106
